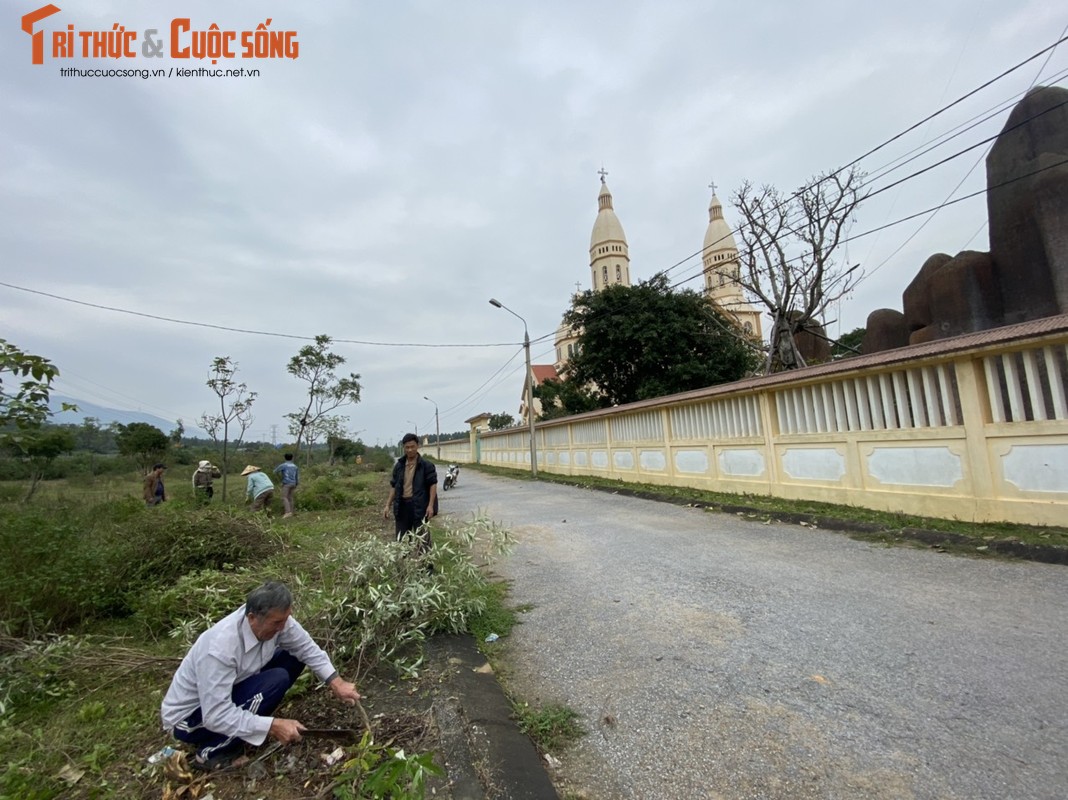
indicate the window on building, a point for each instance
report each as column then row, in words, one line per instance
column 604, row 273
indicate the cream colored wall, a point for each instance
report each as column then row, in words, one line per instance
column 974, row 428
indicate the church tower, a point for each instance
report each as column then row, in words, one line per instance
column 609, row 266
column 609, row 254
column 721, row 269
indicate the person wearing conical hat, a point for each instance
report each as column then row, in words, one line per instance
column 260, row 489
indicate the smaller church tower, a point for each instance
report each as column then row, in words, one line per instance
column 721, row 270
column 609, row 254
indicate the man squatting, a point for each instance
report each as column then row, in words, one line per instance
column 236, row 674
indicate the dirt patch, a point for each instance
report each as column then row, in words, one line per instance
column 401, row 714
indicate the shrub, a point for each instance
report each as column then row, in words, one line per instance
column 67, row 563
column 194, row 602
column 331, row 492
column 373, row 600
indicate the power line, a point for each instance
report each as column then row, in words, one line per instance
column 884, row 144
column 930, row 210
column 243, row 330
column 959, row 100
column 490, row 378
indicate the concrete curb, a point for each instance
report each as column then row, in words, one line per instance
column 485, row 753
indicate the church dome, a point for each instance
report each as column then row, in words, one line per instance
column 718, row 236
column 607, row 227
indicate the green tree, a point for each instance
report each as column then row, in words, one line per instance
column 316, row 365
column 788, row 255
column 330, row 429
column 178, row 433
column 40, row 449
column 649, row 340
column 502, row 420
column 143, row 442
column 561, row 397
column 25, row 384
column 94, row 438
column 343, row 449
column 849, row 344
column 235, row 408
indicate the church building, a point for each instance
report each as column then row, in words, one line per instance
column 610, row 265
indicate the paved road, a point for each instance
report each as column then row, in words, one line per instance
column 715, row 657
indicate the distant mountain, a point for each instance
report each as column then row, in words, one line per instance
column 105, row 415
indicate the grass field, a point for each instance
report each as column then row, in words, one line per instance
column 101, row 596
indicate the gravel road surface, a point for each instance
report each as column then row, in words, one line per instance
column 716, row 657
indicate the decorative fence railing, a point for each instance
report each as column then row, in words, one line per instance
column 974, row 427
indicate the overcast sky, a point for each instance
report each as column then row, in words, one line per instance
column 417, row 159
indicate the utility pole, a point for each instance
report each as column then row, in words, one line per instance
column 530, row 387
column 437, row 426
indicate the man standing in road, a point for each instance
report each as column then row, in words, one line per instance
column 413, row 494
column 236, row 674
column 290, row 478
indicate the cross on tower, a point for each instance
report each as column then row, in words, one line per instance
column 602, row 172
column 578, row 288
column 712, row 186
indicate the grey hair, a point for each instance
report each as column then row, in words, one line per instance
column 270, row 597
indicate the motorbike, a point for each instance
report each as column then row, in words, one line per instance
column 452, row 475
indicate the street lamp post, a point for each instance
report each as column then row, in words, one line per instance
column 437, row 425
column 530, row 387
column 416, row 426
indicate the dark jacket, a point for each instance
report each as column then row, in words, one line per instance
column 426, row 475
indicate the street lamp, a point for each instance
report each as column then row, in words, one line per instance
column 530, row 387
column 437, row 426
column 416, row 428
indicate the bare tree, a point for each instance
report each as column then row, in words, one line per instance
column 788, row 255
column 235, row 406
column 315, row 364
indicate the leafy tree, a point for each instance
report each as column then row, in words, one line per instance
column 502, row 420
column 432, row 438
column 563, row 397
column 644, row 341
column 24, row 395
column 177, row 433
column 316, row 365
column 143, row 442
column 332, row 429
column 343, row 449
column 788, row 254
column 849, row 344
column 235, row 407
column 40, row 449
column 94, row 438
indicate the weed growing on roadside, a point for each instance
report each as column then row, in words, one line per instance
column 551, row 727
column 380, row 772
